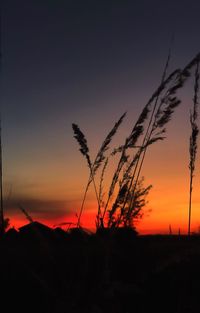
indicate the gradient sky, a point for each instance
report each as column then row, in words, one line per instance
column 87, row 62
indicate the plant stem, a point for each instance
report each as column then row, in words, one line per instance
column 91, row 177
column 146, row 139
column 190, row 202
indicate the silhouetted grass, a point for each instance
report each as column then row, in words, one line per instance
column 100, row 157
column 149, row 128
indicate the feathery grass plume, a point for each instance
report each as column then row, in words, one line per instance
column 122, row 161
column 130, row 142
column 129, row 215
column 112, row 220
column 27, row 215
column 136, row 132
column 155, row 134
column 123, row 186
column 169, row 102
column 118, row 215
column 140, row 194
column 105, row 146
column 80, row 137
column 126, row 176
column 161, row 109
column 98, row 160
column 138, row 127
column 101, row 157
column 147, row 141
column 169, row 99
column 142, row 150
column 193, row 141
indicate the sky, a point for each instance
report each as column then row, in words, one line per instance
column 87, row 62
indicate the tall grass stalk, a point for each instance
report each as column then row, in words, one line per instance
column 130, row 142
column 149, row 128
column 27, row 215
column 193, row 141
column 80, row 137
column 100, row 157
column 140, row 123
column 147, row 136
column 163, row 115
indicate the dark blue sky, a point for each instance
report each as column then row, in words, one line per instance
column 72, row 52
column 85, row 62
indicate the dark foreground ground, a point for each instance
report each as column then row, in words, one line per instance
column 48, row 271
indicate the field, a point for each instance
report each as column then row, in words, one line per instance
column 47, row 270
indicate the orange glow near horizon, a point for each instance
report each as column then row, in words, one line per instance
column 164, row 211
column 88, row 221
column 100, row 63
column 167, row 202
column 165, row 167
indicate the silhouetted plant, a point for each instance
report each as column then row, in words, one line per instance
column 27, row 215
column 152, row 133
column 151, row 136
column 161, row 115
column 100, row 157
column 193, row 140
column 149, row 128
column 80, row 137
column 120, row 215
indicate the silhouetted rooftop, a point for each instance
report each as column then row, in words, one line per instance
column 33, row 226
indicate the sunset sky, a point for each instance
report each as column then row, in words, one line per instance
column 87, row 62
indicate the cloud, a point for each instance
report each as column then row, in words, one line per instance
column 39, row 207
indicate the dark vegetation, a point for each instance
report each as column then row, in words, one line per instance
column 121, row 205
column 50, row 270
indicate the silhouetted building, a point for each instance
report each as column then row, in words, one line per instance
column 36, row 231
